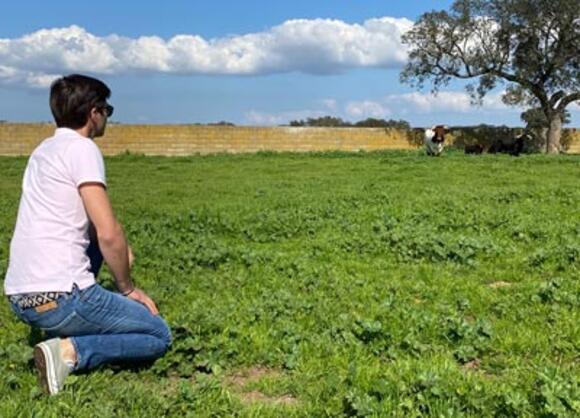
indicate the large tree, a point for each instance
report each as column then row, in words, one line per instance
column 532, row 46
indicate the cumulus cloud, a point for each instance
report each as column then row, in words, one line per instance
column 12, row 75
column 366, row 109
column 317, row 46
column 405, row 104
column 393, row 106
column 255, row 117
column 411, row 105
column 426, row 103
column 330, row 104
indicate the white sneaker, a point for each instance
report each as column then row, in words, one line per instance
column 52, row 369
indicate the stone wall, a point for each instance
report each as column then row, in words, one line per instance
column 22, row 138
column 575, row 144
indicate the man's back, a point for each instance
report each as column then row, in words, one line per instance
column 48, row 249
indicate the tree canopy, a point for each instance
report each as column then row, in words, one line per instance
column 532, row 46
column 332, row 121
column 323, row 121
column 535, row 118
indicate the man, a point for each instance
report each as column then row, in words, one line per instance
column 65, row 227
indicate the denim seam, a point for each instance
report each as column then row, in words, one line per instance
column 77, row 353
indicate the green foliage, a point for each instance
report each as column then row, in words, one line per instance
column 323, row 121
column 382, row 123
column 535, row 118
column 365, row 281
column 331, row 121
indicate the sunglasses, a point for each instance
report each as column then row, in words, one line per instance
column 108, row 109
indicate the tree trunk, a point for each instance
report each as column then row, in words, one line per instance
column 554, row 134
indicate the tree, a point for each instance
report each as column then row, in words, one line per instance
column 336, row 122
column 382, row 123
column 324, row 121
column 222, row 123
column 533, row 46
column 535, row 118
column 537, row 125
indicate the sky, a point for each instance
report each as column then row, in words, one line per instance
column 248, row 62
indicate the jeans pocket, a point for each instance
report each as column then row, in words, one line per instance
column 46, row 320
column 59, row 325
column 73, row 325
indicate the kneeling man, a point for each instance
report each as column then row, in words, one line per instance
column 64, row 228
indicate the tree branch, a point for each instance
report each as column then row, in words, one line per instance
column 574, row 97
column 555, row 97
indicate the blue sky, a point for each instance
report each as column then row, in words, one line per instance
column 250, row 62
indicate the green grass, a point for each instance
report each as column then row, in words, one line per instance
column 360, row 284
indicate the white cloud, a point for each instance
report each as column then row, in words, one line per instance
column 54, row 50
column 428, row 103
column 366, row 109
column 11, row 75
column 405, row 106
column 445, row 101
column 318, row 46
column 330, row 104
column 255, row 117
column 402, row 105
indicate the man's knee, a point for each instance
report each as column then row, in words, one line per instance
column 165, row 335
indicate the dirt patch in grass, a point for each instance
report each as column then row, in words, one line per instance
column 171, row 385
column 244, row 377
column 475, row 366
column 472, row 365
column 239, row 380
column 255, row 396
column 498, row 285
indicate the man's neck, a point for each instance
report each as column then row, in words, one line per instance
column 86, row 131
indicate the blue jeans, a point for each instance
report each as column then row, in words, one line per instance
column 104, row 327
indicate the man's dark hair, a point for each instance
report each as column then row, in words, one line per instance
column 72, row 97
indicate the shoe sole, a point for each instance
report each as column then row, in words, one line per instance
column 43, row 360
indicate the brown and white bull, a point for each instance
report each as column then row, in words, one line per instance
column 435, row 139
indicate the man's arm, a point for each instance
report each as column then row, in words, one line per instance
column 112, row 242
column 93, row 251
column 95, row 254
column 109, row 233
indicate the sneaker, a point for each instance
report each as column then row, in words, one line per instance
column 52, row 369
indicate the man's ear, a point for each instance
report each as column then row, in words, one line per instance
column 93, row 112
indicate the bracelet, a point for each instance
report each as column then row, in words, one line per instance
column 129, row 292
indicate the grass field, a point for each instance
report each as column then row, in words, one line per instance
column 372, row 284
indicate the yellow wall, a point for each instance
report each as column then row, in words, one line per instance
column 575, row 145
column 21, row 139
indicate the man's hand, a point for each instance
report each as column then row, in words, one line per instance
column 140, row 296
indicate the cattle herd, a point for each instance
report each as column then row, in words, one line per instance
column 434, row 141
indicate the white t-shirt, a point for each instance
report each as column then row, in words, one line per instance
column 48, row 249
